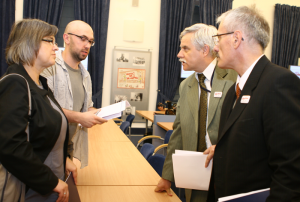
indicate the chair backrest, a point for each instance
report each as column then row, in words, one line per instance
column 124, row 126
column 167, row 136
column 157, row 162
column 130, row 118
column 118, row 121
column 147, row 150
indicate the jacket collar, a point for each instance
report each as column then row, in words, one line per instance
column 60, row 61
column 19, row 69
column 219, row 83
column 193, row 98
column 193, row 94
column 250, row 85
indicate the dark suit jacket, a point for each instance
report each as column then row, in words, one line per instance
column 259, row 142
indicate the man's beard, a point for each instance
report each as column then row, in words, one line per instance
column 77, row 56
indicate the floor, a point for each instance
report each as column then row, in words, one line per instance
column 135, row 138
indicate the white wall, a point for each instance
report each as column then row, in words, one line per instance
column 267, row 8
column 19, row 10
column 120, row 10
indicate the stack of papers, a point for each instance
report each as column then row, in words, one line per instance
column 113, row 111
column 257, row 196
column 189, row 170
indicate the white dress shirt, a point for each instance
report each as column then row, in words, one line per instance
column 243, row 79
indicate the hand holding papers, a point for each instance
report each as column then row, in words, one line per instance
column 113, row 111
column 189, row 170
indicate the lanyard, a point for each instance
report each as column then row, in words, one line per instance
column 211, row 81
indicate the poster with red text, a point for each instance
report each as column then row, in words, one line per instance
column 131, row 78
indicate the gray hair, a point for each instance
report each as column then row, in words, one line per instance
column 202, row 36
column 248, row 20
column 25, row 39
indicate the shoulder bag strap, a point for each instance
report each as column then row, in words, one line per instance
column 29, row 99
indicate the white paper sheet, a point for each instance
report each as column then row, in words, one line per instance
column 189, row 170
column 113, row 111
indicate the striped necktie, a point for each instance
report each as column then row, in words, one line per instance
column 202, row 115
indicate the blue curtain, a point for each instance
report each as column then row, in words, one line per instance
column 7, row 15
column 286, row 35
column 210, row 10
column 46, row 10
column 175, row 15
column 95, row 13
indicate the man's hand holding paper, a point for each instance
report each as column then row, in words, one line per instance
column 114, row 110
column 89, row 119
column 210, row 151
column 190, row 171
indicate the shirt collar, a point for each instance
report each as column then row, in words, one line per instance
column 242, row 80
column 208, row 72
column 59, row 60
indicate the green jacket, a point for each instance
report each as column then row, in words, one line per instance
column 185, row 134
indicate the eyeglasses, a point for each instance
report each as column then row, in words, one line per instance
column 84, row 39
column 50, row 41
column 217, row 37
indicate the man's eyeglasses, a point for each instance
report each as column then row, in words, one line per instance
column 84, row 39
column 217, row 37
column 50, row 41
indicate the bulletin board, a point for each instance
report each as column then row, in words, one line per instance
column 131, row 79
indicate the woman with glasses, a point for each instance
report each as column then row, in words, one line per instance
column 40, row 162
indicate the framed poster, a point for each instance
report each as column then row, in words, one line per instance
column 131, row 78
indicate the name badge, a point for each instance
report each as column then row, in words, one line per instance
column 218, row 94
column 245, row 99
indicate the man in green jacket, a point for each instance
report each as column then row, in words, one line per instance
column 199, row 106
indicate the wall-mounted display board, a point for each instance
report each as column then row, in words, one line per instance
column 131, row 79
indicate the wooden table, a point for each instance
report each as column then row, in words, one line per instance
column 107, row 132
column 117, row 171
column 124, row 194
column 116, row 163
column 166, row 125
column 148, row 115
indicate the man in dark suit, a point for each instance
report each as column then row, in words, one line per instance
column 259, row 134
column 192, row 132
